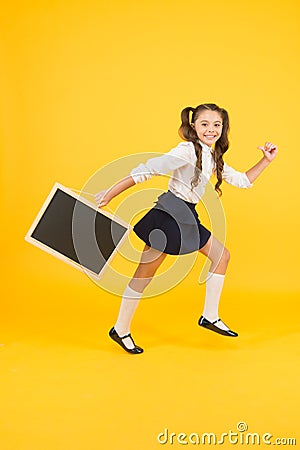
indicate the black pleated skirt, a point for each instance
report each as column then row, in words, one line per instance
column 172, row 226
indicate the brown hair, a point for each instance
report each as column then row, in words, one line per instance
column 188, row 133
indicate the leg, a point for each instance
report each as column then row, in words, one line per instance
column 150, row 261
column 219, row 256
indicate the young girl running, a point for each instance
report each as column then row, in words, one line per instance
column 172, row 226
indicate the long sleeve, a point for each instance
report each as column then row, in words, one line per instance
column 238, row 179
column 161, row 165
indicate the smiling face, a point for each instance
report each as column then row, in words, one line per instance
column 208, row 126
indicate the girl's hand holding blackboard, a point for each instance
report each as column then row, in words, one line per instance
column 104, row 197
column 100, row 198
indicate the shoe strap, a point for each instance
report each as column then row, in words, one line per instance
column 126, row 335
column 218, row 320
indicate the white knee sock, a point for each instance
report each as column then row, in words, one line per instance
column 214, row 286
column 130, row 301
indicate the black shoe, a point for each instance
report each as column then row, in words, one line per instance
column 211, row 326
column 114, row 335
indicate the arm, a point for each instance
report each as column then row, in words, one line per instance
column 270, row 151
column 245, row 179
column 160, row 165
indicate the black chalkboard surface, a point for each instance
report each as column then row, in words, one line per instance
column 76, row 231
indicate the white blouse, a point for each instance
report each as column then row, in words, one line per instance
column 181, row 160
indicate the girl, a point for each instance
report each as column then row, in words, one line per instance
column 172, row 226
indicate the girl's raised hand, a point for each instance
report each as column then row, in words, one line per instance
column 269, row 150
column 99, row 198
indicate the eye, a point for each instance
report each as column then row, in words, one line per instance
column 218, row 124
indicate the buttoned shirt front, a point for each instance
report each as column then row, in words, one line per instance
column 181, row 161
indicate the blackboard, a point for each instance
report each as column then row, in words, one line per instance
column 76, row 231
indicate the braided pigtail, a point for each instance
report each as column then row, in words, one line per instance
column 221, row 147
column 187, row 132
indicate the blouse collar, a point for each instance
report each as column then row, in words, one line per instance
column 205, row 148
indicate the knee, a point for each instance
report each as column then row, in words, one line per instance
column 226, row 255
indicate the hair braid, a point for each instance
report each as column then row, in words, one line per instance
column 188, row 132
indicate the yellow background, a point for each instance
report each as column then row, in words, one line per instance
column 85, row 83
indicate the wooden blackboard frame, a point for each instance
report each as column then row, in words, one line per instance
column 30, row 239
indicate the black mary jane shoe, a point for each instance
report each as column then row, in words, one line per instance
column 211, row 326
column 114, row 335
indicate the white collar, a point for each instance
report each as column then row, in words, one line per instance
column 205, row 148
